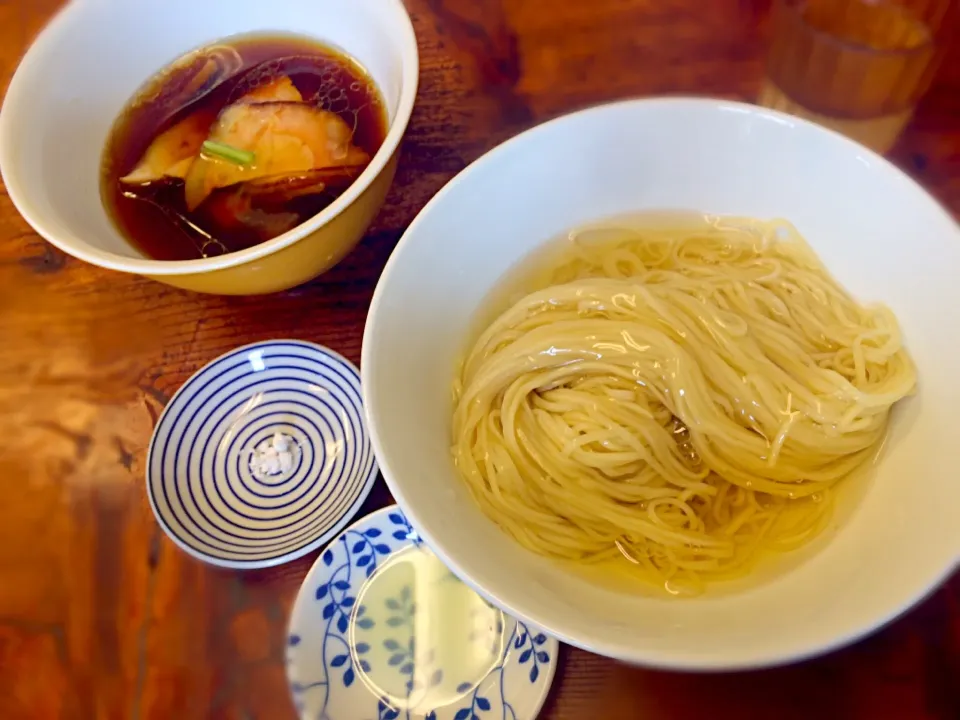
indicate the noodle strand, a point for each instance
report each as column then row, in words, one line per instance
column 679, row 398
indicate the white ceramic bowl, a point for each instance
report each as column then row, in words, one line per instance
column 879, row 232
column 87, row 63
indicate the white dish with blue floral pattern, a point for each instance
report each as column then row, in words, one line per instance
column 381, row 630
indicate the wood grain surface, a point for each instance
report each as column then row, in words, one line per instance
column 102, row 617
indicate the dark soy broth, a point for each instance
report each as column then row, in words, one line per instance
column 238, row 203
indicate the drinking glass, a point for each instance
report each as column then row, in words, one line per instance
column 857, row 66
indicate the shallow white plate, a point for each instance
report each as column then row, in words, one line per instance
column 381, row 629
column 202, row 488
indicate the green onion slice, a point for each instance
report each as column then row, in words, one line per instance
column 226, row 152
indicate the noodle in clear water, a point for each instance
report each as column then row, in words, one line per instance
column 685, row 397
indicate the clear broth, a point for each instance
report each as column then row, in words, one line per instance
column 535, row 272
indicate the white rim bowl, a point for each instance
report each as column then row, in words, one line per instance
column 882, row 236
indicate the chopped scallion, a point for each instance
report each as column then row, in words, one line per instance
column 229, row 153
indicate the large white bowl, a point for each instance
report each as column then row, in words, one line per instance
column 879, row 232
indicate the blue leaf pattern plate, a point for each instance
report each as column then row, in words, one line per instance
column 381, row 630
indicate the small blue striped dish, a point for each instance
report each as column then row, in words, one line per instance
column 217, row 503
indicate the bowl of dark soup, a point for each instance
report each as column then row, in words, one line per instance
column 232, row 147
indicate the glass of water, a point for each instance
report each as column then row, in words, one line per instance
column 857, row 66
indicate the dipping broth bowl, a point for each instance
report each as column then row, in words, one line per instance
column 94, row 55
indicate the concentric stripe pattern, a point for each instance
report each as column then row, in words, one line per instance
column 199, row 477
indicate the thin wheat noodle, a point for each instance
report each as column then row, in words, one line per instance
column 683, row 398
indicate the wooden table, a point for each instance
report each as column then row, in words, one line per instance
column 102, row 617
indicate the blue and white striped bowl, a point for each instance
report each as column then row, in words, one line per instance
column 201, row 487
